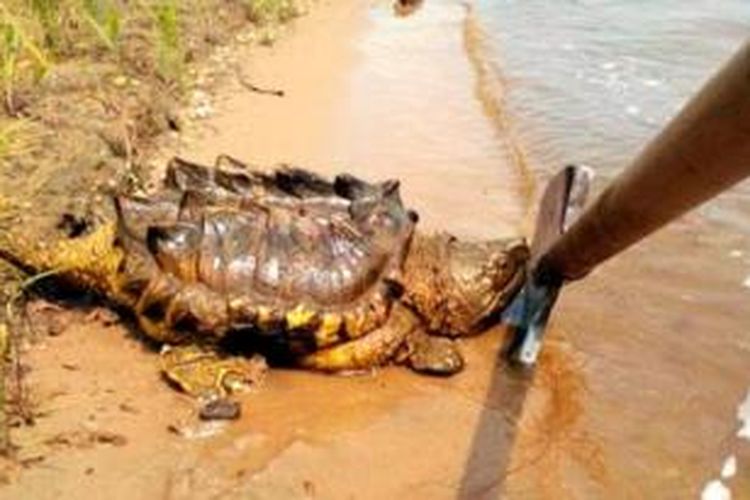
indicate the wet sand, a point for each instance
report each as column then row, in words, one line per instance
column 636, row 393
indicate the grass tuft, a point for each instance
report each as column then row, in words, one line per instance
column 271, row 12
column 105, row 19
column 48, row 14
column 19, row 55
column 170, row 54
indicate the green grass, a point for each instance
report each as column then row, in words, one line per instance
column 170, row 56
column 105, row 19
column 19, row 55
column 35, row 35
column 269, row 14
column 266, row 12
column 47, row 13
column 64, row 24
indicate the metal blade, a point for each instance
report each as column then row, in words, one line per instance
column 529, row 312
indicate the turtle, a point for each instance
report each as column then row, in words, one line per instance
column 225, row 261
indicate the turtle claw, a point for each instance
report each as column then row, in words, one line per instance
column 434, row 356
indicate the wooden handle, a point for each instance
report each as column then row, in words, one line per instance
column 702, row 152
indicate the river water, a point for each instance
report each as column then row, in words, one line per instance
column 590, row 81
column 475, row 106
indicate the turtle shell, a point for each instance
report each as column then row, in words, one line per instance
column 284, row 253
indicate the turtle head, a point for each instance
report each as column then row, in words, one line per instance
column 469, row 283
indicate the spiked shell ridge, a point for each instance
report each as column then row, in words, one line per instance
column 287, row 254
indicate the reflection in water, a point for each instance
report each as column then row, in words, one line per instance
column 544, row 435
column 553, row 436
column 494, row 438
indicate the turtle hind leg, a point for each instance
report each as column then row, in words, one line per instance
column 433, row 355
column 401, row 339
column 377, row 348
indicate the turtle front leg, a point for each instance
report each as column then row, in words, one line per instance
column 401, row 339
column 431, row 355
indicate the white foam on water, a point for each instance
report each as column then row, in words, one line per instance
column 729, row 469
column 743, row 413
column 633, row 110
column 715, row 490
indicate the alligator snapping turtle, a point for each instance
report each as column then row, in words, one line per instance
column 326, row 275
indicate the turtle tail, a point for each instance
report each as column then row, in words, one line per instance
column 90, row 260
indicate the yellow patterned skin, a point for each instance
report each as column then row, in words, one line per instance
column 91, row 261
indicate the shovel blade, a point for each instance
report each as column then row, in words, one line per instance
column 528, row 314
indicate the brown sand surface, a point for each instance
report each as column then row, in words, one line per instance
column 635, row 395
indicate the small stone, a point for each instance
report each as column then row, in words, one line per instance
column 120, row 81
column 220, row 409
column 308, row 487
column 125, row 407
column 247, row 37
column 203, row 110
column 112, row 438
column 201, row 431
column 199, row 96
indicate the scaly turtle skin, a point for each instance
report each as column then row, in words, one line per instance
column 326, row 275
